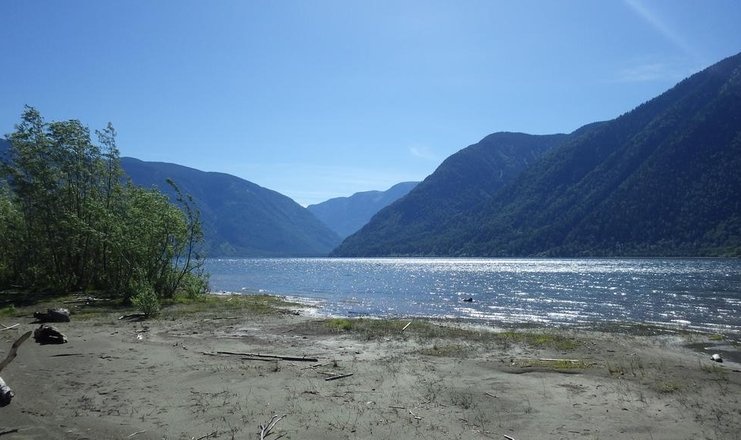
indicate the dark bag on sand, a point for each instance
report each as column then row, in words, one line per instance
column 47, row 334
column 6, row 394
column 52, row 315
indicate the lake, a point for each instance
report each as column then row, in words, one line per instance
column 703, row 294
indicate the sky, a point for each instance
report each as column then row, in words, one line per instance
column 324, row 98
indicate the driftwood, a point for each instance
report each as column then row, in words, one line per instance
column 138, row 316
column 265, row 429
column 6, row 327
column 6, row 393
column 52, row 315
column 47, row 334
column 14, row 350
column 9, row 431
column 408, row 324
column 339, row 376
column 269, row 356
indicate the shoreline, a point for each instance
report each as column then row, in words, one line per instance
column 165, row 378
column 312, row 305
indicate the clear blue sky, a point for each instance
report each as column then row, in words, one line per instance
column 317, row 99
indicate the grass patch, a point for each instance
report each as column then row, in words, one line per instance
column 552, row 364
column 370, row 329
column 539, row 340
column 221, row 304
column 668, row 387
column 339, row 324
column 448, row 350
column 8, row 311
column 716, row 337
column 425, row 330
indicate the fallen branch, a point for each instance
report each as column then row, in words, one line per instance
column 271, row 356
column 14, row 349
column 408, row 324
column 5, row 327
column 508, row 437
column 6, row 393
column 261, row 359
column 132, row 316
column 213, row 434
column 136, row 433
column 9, row 431
column 265, row 430
column 339, row 376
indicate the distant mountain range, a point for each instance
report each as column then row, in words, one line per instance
column 660, row 180
column 346, row 215
column 240, row 218
column 243, row 219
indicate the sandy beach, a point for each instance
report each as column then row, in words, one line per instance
column 170, row 378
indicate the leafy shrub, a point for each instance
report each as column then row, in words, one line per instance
column 146, row 301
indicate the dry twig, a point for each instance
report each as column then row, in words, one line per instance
column 265, row 430
column 6, row 327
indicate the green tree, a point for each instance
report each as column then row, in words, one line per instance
column 72, row 223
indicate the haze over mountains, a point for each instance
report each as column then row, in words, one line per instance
column 660, row 180
column 346, row 215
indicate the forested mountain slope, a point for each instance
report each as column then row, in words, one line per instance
column 660, row 180
column 459, row 187
column 240, row 218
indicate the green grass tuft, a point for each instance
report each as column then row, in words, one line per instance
column 539, row 340
column 8, row 311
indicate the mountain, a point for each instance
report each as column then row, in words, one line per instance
column 660, row 180
column 239, row 217
column 346, row 215
column 458, row 188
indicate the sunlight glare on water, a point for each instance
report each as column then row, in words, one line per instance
column 697, row 293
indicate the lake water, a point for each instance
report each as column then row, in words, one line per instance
column 694, row 293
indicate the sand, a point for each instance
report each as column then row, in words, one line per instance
column 163, row 379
